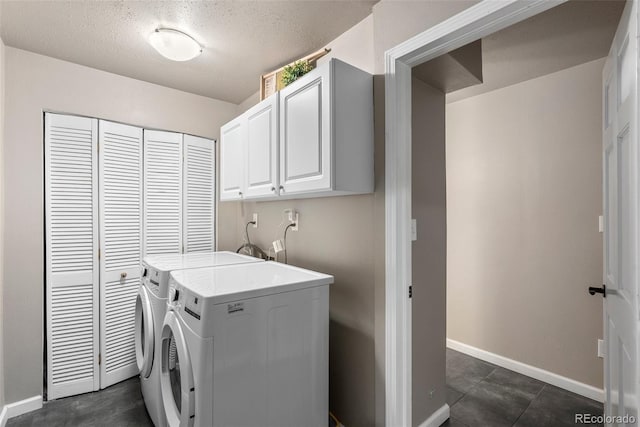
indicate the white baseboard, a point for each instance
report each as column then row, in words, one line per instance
column 437, row 418
column 18, row 408
column 530, row 371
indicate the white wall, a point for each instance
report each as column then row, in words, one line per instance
column 524, row 182
column 35, row 83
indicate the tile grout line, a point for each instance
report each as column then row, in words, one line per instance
column 530, row 403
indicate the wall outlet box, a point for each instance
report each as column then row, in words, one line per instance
column 255, row 220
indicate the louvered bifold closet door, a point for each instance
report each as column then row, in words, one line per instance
column 162, row 192
column 71, row 215
column 121, row 247
column 199, row 194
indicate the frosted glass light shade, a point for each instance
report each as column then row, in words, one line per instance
column 174, row 44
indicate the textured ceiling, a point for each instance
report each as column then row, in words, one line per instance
column 242, row 39
column 573, row 33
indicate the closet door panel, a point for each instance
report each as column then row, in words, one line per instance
column 71, row 215
column 121, row 247
column 199, row 194
column 162, row 192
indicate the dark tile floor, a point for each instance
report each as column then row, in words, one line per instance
column 481, row 394
column 120, row 405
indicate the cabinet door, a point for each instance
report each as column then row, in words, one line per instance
column 71, row 223
column 262, row 149
column 121, row 247
column 305, row 134
column 162, row 192
column 232, row 141
column 199, row 197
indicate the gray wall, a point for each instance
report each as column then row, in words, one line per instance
column 429, row 251
column 35, row 83
column 524, row 194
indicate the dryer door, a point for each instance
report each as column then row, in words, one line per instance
column 176, row 377
column 145, row 341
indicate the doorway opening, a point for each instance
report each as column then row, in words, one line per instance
column 516, row 183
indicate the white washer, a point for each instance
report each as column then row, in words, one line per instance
column 151, row 307
column 252, row 347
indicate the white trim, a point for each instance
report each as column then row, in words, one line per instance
column 531, row 371
column 474, row 23
column 21, row 407
column 437, row 418
column 3, row 416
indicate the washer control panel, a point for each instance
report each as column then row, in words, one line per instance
column 193, row 306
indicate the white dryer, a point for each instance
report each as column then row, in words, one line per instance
column 252, row 347
column 151, row 307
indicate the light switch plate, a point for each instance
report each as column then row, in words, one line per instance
column 414, row 230
column 601, row 349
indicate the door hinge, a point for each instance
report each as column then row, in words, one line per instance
column 410, row 291
column 99, row 358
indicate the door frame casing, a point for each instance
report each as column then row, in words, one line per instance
column 472, row 24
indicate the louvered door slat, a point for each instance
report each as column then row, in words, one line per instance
column 162, row 192
column 199, row 194
column 121, row 242
column 71, row 216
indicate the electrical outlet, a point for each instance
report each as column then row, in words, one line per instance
column 290, row 214
column 296, row 219
column 255, row 220
column 432, row 393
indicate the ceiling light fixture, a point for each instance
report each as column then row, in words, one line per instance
column 174, row 44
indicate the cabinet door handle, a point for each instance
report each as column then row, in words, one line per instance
column 273, row 189
column 282, row 188
column 123, row 275
column 240, row 193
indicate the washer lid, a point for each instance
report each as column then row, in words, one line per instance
column 229, row 283
column 169, row 262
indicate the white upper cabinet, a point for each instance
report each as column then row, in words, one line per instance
column 314, row 138
column 305, row 134
column 232, row 141
column 262, row 149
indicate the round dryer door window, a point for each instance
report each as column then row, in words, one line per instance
column 145, row 341
column 176, row 378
